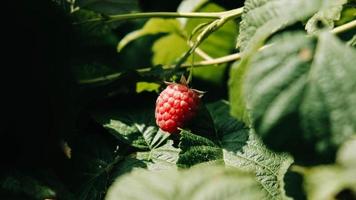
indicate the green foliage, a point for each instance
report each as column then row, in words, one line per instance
column 302, row 79
column 239, row 147
column 287, row 130
column 211, row 182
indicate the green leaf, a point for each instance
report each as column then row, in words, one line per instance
column 110, row 7
column 236, row 96
column 239, row 147
column 168, row 49
column 196, row 149
column 242, row 149
column 205, row 182
column 328, row 181
column 326, row 16
column 164, row 157
column 151, row 27
column 135, row 127
column 262, row 18
column 315, row 82
column 147, row 86
column 268, row 166
column 92, row 165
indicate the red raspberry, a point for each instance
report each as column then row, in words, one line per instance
column 176, row 105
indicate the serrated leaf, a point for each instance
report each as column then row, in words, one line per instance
column 151, row 27
column 239, row 147
column 326, row 16
column 164, row 157
column 242, row 149
column 262, row 18
column 134, row 127
column 109, row 7
column 204, row 182
column 137, row 128
column 196, row 149
column 269, row 166
column 293, row 77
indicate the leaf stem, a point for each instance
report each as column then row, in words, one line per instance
column 209, row 15
column 344, row 27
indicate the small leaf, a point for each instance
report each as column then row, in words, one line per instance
column 151, row 27
column 146, row 86
column 326, row 16
column 204, row 182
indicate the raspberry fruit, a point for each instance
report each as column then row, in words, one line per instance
column 175, row 106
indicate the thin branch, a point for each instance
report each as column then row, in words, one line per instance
column 216, row 61
column 344, row 27
column 208, row 15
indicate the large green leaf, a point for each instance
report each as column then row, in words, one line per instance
column 262, row 18
column 109, row 7
column 239, row 147
column 243, row 149
column 311, row 86
column 137, row 128
column 204, row 182
column 326, row 17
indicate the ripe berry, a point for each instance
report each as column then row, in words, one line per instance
column 175, row 106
